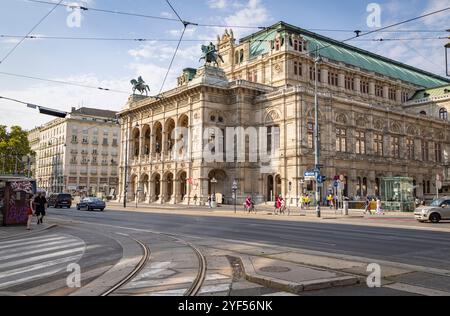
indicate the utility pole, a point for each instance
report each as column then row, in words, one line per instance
column 317, row 60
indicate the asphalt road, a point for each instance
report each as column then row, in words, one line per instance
column 415, row 247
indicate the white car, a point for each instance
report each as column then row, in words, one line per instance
column 438, row 210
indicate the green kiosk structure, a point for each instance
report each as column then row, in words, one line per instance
column 397, row 194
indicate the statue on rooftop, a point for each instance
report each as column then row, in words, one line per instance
column 140, row 86
column 211, row 55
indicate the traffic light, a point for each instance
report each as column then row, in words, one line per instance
column 52, row 112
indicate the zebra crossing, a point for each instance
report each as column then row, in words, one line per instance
column 27, row 260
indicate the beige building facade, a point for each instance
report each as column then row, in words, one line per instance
column 78, row 154
column 369, row 129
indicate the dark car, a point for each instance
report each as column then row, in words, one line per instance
column 60, row 200
column 91, row 204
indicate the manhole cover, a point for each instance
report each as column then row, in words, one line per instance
column 275, row 269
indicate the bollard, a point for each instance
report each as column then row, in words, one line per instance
column 345, row 209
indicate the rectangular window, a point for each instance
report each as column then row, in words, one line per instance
column 341, row 140
column 378, row 144
column 410, row 148
column 405, row 96
column 392, row 94
column 333, row 79
column 295, row 68
column 360, row 143
column 85, row 140
column 312, row 75
column 379, row 90
column 425, row 151
column 311, row 135
column 364, row 87
column 349, row 83
column 395, row 147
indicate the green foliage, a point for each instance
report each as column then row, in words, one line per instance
column 14, row 145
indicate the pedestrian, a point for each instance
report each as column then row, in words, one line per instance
column 41, row 205
column 330, row 201
column 30, row 211
column 379, row 212
column 209, row 201
column 248, row 204
column 367, row 206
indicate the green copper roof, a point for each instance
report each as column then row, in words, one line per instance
column 430, row 93
column 341, row 52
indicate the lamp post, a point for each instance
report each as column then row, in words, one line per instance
column 234, row 188
column 317, row 60
column 214, row 182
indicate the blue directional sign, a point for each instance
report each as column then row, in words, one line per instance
column 321, row 179
column 310, row 174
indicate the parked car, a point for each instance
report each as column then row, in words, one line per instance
column 60, row 200
column 91, row 204
column 438, row 210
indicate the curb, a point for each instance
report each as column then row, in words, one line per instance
column 293, row 287
column 30, row 233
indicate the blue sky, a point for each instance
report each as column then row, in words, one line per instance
column 114, row 64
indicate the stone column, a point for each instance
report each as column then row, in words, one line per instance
column 398, row 95
column 358, row 84
column 386, row 92
column 341, row 80
column 163, row 190
column 371, row 88
column 324, row 74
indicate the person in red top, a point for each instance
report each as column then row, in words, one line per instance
column 30, row 212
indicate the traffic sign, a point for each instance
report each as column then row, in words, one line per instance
column 309, row 174
column 336, row 184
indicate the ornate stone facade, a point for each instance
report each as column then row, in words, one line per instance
column 367, row 130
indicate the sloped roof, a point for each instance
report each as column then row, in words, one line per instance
column 341, row 52
column 431, row 93
column 95, row 112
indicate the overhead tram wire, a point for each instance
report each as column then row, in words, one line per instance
column 64, row 38
column 85, row 8
column 185, row 24
column 32, row 29
column 62, row 82
column 304, row 54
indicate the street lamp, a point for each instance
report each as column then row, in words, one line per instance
column 317, row 60
column 234, row 188
column 214, row 182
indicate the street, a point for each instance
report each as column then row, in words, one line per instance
column 413, row 261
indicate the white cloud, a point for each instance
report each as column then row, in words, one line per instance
column 60, row 97
column 217, row 4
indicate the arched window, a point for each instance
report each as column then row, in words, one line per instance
column 236, row 58
column 443, row 114
column 423, row 113
column 241, row 56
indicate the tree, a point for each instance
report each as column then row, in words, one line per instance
column 14, row 145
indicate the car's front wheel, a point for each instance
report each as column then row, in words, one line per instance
column 435, row 218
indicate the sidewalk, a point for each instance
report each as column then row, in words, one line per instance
column 21, row 231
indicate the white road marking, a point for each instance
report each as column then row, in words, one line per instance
column 27, row 279
column 19, row 241
column 37, row 258
column 27, row 247
column 281, row 294
column 177, row 292
column 42, row 265
column 75, row 244
column 29, row 241
column 215, row 288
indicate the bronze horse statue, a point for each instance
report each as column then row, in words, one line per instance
column 140, row 86
column 211, row 55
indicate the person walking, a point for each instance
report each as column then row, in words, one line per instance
column 41, row 205
column 30, row 212
column 209, row 201
column 367, row 206
column 379, row 211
